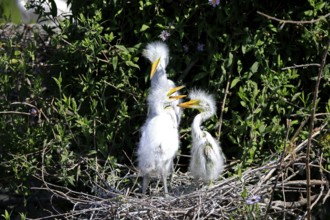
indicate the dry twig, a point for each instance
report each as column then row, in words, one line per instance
column 188, row 200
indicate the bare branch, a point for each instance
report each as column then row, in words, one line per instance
column 301, row 66
column 311, row 127
column 293, row 22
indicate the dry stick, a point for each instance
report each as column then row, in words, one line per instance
column 15, row 112
column 32, row 106
column 314, row 99
column 225, row 96
column 311, row 127
column 288, row 126
column 295, row 66
column 294, row 22
column 96, row 149
column 322, row 186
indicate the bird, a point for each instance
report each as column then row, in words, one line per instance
column 158, row 54
column 29, row 15
column 207, row 159
column 159, row 140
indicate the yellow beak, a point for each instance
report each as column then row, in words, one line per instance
column 154, row 67
column 190, row 104
column 175, row 89
column 177, row 97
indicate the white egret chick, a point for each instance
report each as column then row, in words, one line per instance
column 30, row 15
column 27, row 15
column 207, row 160
column 159, row 140
column 158, row 54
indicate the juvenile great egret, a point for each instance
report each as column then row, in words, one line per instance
column 159, row 140
column 158, row 54
column 30, row 15
column 207, row 160
column 163, row 117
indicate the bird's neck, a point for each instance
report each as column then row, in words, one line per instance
column 159, row 79
column 160, row 107
column 198, row 120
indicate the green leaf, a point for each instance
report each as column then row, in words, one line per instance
column 17, row 52
column 256, row 111
column 254, row 67
column 58, row 81
column 262, row 128
column 119, row 12
column 109, row 37
column 114, row 62
column 234, row 82
column 200, row 76
column 239, row 66
column 243, row 49
column 319, row 5
column 71, row 180
column 130, row 63
column 309, row 13
column 230, row 60
column 122, row 48
column 243, row 103
column 91, row 152
column 53, row 8
column 13, row 61
column 6, row 215
column 144, row 27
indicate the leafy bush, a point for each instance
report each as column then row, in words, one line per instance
column 78, row 104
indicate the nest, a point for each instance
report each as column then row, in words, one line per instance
column 276, row 189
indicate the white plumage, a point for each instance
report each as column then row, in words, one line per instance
column 158, row 54
column 159, row 140
column 207, row 159
column 29, row 15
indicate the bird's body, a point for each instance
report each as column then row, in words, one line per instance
column 207, row 160
column 159, row 140
column 29, row 15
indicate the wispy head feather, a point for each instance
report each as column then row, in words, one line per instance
column 155, row 50
column 207, row 101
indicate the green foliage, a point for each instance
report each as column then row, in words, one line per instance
column 324, row 143
column 7, row 215
column 87, row 102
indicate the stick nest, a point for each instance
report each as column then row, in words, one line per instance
column 276, row 189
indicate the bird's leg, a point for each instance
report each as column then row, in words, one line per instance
column 164, row 176
column 146, row 180
column 210, row 184
column 171, row 172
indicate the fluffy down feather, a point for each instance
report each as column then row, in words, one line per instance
column 207, row 160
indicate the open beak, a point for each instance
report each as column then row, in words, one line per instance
column 177, row 97
column 190, row 104
column 174, row 90
column 154, row 67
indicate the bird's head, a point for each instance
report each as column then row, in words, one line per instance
column 201, row 101
column 164, row 96
column 158, row 54
column 172, row 97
